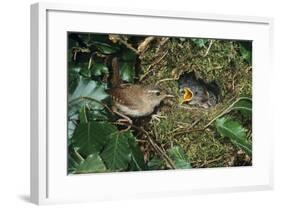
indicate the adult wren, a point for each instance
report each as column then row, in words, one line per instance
column 133, row 100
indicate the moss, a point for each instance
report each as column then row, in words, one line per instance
column 224, row 64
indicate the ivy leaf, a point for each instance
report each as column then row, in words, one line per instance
column 70, row 129
column 99, row 69
column 128, row 55
column 93, row 163
column 179, row 158
column 83, row 114
column 137, row 160
column 116, row 153
column 127, row 71
column 74, row 159
column 91, row 137
column 235, row 132
column 73, row 77
column 87, row 88
column 105, row 48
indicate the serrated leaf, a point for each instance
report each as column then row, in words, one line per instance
column 92, row 164
column 244, row 106
column 127, row 71
column 137, row 160
column 235, row 132
column 178, row 157
column 116, row 154
column 91, row 137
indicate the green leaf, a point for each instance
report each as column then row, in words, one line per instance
column 127, row 71
column 105, row 48
column 99, row 69
column 70, row 128
column 199, row 42
column 83, row 114
column 179, row 158
column 137, row 160
column 89, row 88
column 128, row 55
column 246, row 50
column 243, row 106
column 73, row 77
column 155, row 163
column 116, row 154
column 74, row 159
column 93, row 163
column 91, row 137
column 235, row 132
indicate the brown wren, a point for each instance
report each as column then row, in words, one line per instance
column 133, row 100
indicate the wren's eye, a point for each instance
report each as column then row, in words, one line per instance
column 158, row 93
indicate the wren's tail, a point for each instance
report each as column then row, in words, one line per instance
column 115, row 72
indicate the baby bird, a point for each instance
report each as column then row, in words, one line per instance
column 197, row 92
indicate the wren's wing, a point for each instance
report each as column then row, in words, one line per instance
column 128, row 95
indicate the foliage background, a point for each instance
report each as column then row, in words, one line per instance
column 96, row 145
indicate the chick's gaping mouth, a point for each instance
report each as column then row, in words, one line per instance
column 187, row 95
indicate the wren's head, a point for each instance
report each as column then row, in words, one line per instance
column 155, row 96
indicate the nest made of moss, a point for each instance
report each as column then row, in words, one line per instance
column 211, row 60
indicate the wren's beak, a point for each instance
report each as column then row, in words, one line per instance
column 187, row 96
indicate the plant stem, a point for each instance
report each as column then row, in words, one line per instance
column 91, row 99
column 227, row 110
column 153, row 144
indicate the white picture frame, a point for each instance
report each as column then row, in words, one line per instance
column 49, row 180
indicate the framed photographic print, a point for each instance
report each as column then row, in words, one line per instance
column 133, row 103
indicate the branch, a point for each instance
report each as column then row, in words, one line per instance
column 153, row 144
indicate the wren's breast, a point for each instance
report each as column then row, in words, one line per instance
column 132, row 112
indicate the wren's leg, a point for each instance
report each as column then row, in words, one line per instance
column 125, row 118
column 157, row 117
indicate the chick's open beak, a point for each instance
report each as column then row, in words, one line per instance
column 187, row 96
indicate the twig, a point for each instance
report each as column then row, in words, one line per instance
column 118, row 38
column 162, row 42
column 128, row 45
column 153, row 144
column 151, row 65
column 144, row 44
column 189, row 128
column 225, row 111
column 208, row 49
column 207, row 162
column 164, row 80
